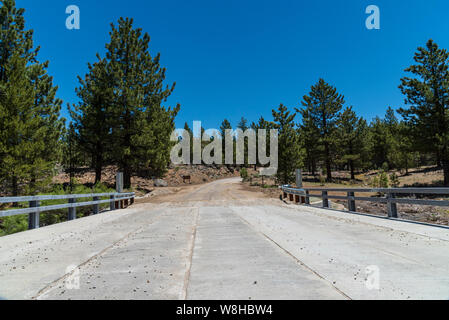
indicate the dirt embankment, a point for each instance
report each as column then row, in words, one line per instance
column 172, row 179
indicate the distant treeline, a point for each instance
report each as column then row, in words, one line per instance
column 325, row 135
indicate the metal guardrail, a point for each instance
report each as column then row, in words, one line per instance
column 303, row 195
column 116, row 201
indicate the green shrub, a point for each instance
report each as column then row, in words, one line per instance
column 244, row 173
column 383, row 180
column 322, row 180
column 394, row 180
column 14, row 224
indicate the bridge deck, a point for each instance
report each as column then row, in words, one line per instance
column 226, row 248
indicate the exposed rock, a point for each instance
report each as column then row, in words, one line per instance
column 160, row 183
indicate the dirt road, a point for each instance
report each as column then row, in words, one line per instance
column 218, row 241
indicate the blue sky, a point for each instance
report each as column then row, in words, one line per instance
column 242, row 58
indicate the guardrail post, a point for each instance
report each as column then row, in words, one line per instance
column 297, row 199
column 351, row 202
column 391, row 206
column 132, row 200
column 307, row 197
column 112, row 203
column 325, row 199
column 72, row 211
column 96, row 207
column 33, row 218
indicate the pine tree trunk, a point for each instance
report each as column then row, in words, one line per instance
column 328, row 163
column 446, row 171
column 98, row 165
column 313, row 168
column 98, row 170
column 126, row 177
column 15, row 190
column 351, row 165
column 33, row 184
column 406, row 166
column 439, row 162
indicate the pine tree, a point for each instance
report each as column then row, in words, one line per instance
column 309, row 139
column 47, row 107
column 30, row 127
column 289, row 153
column 143, row 126
column 378, row 142
column 243, row 125
column 92, row 116
column 323, row 105
column 351, row 139
column 226, row 125
column 262, row 124
column 393, row 138
column 427, row 95
column 406, row 154
column 72, row 155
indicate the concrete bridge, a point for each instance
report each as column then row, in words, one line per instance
column 218, row 241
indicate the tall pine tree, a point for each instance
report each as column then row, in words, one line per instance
column 427, row 94
column 30, row 126
column 289, row 152
column 350, row 137
column 92, row 116
column 323, row 106
column 142, row 126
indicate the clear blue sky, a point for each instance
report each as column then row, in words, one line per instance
column 242, row 58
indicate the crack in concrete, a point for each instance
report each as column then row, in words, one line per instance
column 190, row 256
column 295, row 258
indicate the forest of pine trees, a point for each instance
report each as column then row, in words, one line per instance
column 120, row 118
column 329, row 136
column 120, row 104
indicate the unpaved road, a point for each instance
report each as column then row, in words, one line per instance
column 218, row 241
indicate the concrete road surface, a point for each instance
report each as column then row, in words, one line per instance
column 219, row 241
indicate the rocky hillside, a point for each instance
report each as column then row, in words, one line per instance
column 173, row 178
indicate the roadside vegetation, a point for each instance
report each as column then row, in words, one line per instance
column 19, row 223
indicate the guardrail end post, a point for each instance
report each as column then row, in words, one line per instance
column 392, row 206
column 33, row 218
column 307, row 197
column 112, row 203
column 297, row 199
column 72, row 211
column 96, row 207
column 351, row 202
column 325, row 199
